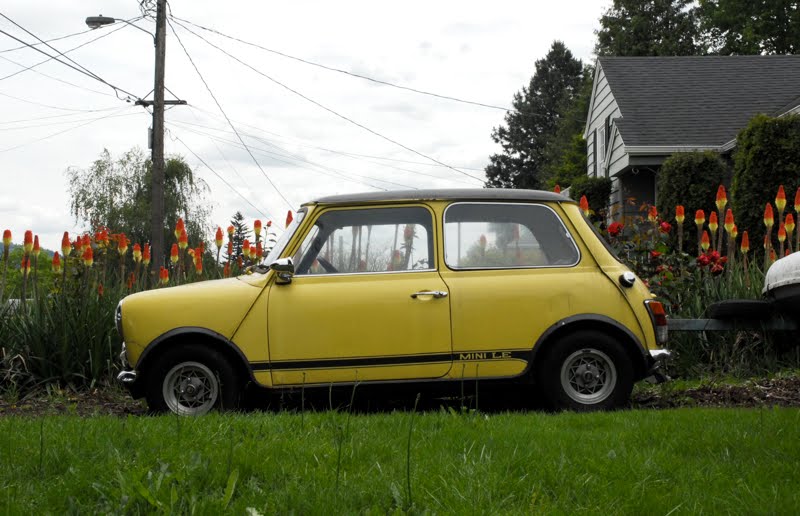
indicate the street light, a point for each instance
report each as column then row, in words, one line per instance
column 157, row 158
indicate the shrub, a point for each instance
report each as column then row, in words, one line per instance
column 690, row 179
column 767, row 155
column 596, row 189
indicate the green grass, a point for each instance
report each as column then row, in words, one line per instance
column 630, row 462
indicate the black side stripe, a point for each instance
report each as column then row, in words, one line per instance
column 330, row 363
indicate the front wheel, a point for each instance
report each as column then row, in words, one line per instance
column 191, row 381
column 586, row 371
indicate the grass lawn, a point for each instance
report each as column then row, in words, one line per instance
column 683, row 461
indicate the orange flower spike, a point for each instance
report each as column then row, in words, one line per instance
column 179, row 228
column 782, row 233
column 66, row 245
column 713, row 224
column 56, row 263
column 230, row 248
column 163, row 275
column 789, row 223
column 269, row 224
column 36, row 249
column 86, row 241
column 705, row 243
column 772, row 255
column 729, row 223
column 797, row 200
column 699, row 218
column 735, row 232
column 146, row 255
column 745, row 245
column 246, row 247
column 257, row 227
column 557, row 188
column 183, row 240
column 780, row 199
column 137, row 253
column 259, row 251
column 769, row 219
column 230, row 231
column 7, row 238
column 131, row 280
column 289, row 218
column 88, row 256
column 28, row 242
column 722, row 198
column 584, row 204
column 198, row 261
column 122, row 244
column 219, row 238
column 226, row 270
column 652, row 214
column 25, row 265
column 190, row 252
column 679, row 214
column 173, row 254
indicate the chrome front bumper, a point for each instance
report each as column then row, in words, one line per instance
column 126, row 377
column 657, row 358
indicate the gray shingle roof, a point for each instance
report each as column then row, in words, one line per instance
column 702, row 101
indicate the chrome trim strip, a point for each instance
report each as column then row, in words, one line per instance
column 660, row 355
column 563, row 226
column 328, row 275
column 126, row 377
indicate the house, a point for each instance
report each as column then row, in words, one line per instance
column 643, row 109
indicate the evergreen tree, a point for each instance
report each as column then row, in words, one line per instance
column 748, row 27
column 240, row 233
column 537, row 109
column 650, row 28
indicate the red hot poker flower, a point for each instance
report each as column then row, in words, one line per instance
column 289, row 218
column 789, row 223
column 137, row 253
column 198, row 261
column 712, row 222
column 722, row 198
column 88, row 256
column 146, row 255
column 28, row 242
column 173, row 254
column 179, row 228
column 36, row 249
column 86, row 241
column 122, row 244
column 66, row 245
column 797, row 200
column 729, row 221
column 183, row 240
column 226, row 270
column 163, row 275
column 652, row 214
column 6, row 239
column 584, row 204
column 246, row 247
column 735, row 232
column 705, row 243
column 56, row 263
column 257, row 227
column 780, row 199
column 745, row 245
column 230, row 248
column 782, row 233
column 615, row 228
column 769, row 219
column 230, row 231
column 259, row 251
column 679, row 214
column 219, row 238
column 699, row 218
column 557, row 188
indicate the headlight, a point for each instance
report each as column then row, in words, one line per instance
column 118, row 319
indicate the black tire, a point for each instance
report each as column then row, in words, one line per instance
column 192, row 380
column 586, row 371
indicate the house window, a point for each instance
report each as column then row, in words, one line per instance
column 594, row 153
column 602, row 155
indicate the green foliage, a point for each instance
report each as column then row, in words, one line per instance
column 748, row 27
column 596, row 189
column 714, row 461
column 117, row 194
column 537, row 108
column 649, row 28
column 690, row 179
column 767, row 156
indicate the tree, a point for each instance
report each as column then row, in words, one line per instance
column 537, row 109
column 116, row 194
column 748, row 27
column 240, row 233
column 650, row 28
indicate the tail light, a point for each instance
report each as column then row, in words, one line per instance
column 659, row 318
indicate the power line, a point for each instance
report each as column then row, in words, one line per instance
column 55, row 58
column 24, row 120
column 50, row 124
column 226, row 117
column 111, row 115
column 47, row 41
column 54, row 107
column 395, row 142
column 222, row 179
column 351, row 74
column 326, row 149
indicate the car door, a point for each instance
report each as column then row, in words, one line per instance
column 366, row 302
column 512, row 270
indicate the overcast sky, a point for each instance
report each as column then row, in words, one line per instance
column 474, row 50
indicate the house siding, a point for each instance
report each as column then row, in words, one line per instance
column 604, row 107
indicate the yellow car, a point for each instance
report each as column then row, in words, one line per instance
column 423, row 285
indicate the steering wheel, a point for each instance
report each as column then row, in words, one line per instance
column 328, row 266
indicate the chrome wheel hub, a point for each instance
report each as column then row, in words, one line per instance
column 588, row 376
column 190, row 388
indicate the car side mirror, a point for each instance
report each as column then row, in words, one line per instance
column 284, row 268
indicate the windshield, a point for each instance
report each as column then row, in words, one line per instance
column 280, row 244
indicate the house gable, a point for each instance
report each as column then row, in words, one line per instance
column 603, row 109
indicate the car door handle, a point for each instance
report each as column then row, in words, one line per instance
column 435, row 293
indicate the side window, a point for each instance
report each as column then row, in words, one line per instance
column 506, row 236
column 368, row 240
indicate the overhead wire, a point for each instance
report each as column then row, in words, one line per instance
column 333, row 69
column 208, row 88
column 59, row 38
column 54, row 107
column 76, row 68
column 390, row 140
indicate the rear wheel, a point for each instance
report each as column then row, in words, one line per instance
column 192, row 380
column 584, row 371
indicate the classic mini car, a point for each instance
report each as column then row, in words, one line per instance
column 423, row 285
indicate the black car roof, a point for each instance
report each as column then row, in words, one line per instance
column 445, row 194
